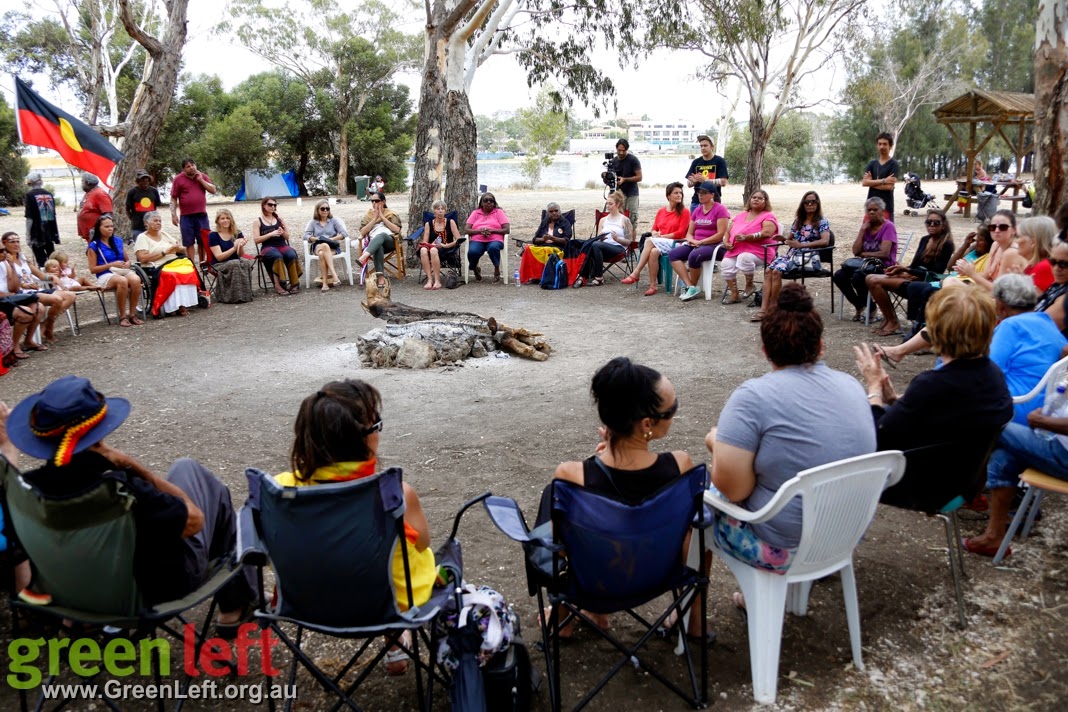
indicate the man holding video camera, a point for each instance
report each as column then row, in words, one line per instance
column 628, row 174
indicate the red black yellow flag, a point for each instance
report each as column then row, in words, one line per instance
column 42, row 124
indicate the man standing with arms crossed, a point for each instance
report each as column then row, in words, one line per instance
column 708, row 167
column 189, row 192
column 881, row 174
column 629, row 176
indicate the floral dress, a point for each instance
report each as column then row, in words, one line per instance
column 791, row 260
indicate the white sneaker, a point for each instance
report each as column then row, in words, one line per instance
column 690, row 293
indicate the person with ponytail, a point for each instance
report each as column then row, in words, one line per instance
column 636, row 406
column 336, row 437
column 770, row 428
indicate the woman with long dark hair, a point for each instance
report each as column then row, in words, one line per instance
column 107, row 261
column 669, row 226
column 271, row 234
column 809, row 231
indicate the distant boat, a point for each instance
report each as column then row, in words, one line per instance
column 493, row 155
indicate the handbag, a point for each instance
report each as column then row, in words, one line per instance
column 806, row 261
column 10, row 303
column 873, row 265
column 332, row 244
column 121, row 271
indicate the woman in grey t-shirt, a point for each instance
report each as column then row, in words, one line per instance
column 779, row 424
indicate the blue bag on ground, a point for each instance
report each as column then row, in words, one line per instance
column 554, row 276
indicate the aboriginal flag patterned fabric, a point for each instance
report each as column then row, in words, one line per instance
column 42, row 124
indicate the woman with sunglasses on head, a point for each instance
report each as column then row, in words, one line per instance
column 931, row 258
column 1003, row 257
column 324, row 234
column 378, row 229
column 440, row 237
column 336, row 439
column 486, row 225
column 271, row 234
column 765, row 432
column 810, row 231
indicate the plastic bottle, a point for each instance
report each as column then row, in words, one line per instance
column 515, row 276
column 1054, row 407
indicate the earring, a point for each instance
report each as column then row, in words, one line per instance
column 648, row 434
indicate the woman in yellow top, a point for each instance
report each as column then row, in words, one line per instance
column 336, row 440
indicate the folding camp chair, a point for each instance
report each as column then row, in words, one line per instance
column 622, row 264
column 81, row 550
column 618, row 557
column 451, row 260
column 530, row 266
column 208, row 276
column 332, row 550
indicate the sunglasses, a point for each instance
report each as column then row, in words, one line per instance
column 933, row 223
column 488, row 200
column 669, row 413
column 272, row 205
column 324, row 209
column 998, row 227
column 811, row 202
column 376, row 201
column 1063, row 264
column 376, row 427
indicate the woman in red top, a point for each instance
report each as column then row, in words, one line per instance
column 669, row 227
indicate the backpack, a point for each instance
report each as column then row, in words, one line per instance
column 510, row 679
column 554, row 276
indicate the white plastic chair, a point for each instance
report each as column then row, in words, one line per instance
column 505, row 274
column 708, row 273
column 838, row 504
column 310, row 258
column 1036, row 481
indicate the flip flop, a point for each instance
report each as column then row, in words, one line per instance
column 990, row 551
column 891, row 332
column 20, row 355
column 135, row 321
column 881, row 352
column 759, row 316
column 35, row 347
column 125, row 322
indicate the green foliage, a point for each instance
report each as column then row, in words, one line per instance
column 13, row 168
column 790, row 152
column 544, row 133
column 201, row 100
column 382, row 136
column 231, row 145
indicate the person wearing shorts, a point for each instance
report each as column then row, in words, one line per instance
column 189, row 193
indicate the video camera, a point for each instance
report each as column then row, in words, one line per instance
column 611, row 171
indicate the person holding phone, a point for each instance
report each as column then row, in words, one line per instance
column 189, row 193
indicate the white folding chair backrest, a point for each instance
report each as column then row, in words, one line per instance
column 1054, row 375
column 903, row 248
column 838, row 504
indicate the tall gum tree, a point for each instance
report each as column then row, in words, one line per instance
column 770, row 46
column 551, row 39
column 1051, row 105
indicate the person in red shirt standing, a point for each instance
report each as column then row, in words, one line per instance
column 97, row 202
column 189, row 192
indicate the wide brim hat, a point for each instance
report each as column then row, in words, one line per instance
column 69, row 416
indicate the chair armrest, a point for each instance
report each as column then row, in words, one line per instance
column 769, row 510
column 466, row 505
column 1041, row 385
column 250, row 548
column 506, row 516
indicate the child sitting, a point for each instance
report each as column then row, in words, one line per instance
column 59, row 268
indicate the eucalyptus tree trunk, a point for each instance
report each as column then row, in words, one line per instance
column 152, row 100
column 1051, row 106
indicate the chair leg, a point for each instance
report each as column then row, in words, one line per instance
column 1035, row 504
column 1021, row 513
column 849, row 593
column 103, row 307
column 797, row 598
column 950, row 526
column 765, row 593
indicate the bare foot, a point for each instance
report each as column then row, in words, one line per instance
column 428, row 286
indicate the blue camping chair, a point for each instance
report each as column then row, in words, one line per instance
column 618, row 556
column 451, row 260
column 331, row 547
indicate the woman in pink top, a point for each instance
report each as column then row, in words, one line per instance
column 669, row 227
column 487, row 225
column 747, row 245
column 708, row 227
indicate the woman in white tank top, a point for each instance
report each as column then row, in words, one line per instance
column 615, row 233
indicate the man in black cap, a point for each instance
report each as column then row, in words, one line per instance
column 142, row 198
column 183, row 522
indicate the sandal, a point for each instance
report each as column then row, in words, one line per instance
column 294, row 289
column 579, row 282
column 651, row 291
column 125, row 321
column 670, row 627
column 135, row 321
column 478, row 273
column 496, row 277
column 182, row 311
column 881, row 353
column 20, row 355
column 34, row 347
column 398, row 658
column 595, row 282
column 228, row 631
column 990, row 551
column 629, row 280
column 759, row 316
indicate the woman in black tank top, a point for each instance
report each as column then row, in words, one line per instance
column 637, row 406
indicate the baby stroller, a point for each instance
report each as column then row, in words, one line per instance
column 915, row 199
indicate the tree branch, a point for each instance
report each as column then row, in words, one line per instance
column 150, row 43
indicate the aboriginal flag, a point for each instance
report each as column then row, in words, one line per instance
column 42, row 124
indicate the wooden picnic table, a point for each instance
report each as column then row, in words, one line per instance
column 962, row 185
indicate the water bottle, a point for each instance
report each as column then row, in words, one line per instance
column 515, row 276
column 1054, row 407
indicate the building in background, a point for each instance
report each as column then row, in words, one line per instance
column 664, row 133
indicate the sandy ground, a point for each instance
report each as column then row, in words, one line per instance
column 223, row 386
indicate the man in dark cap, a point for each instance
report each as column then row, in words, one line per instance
column 183, row 522
column 142, row 198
